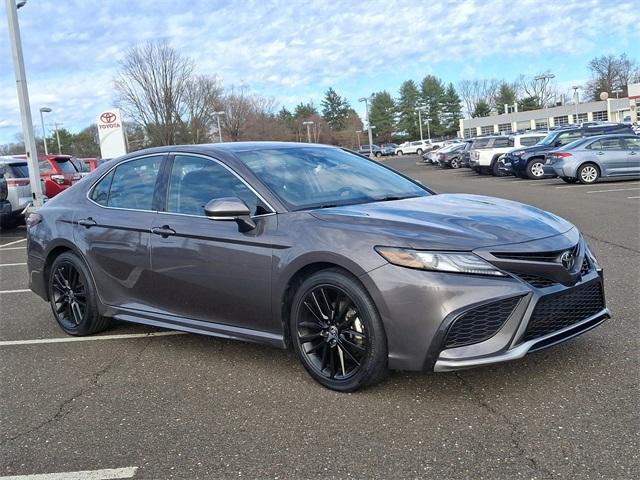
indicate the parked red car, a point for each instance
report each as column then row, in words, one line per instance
column 91, row 163
column 58, row 173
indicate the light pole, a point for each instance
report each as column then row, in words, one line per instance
column 44, row 132
column 576, row 99
column 429, row 130
column 23, row 101
column 366, row 107
column 308, row 124
column 217, row 114
column 55, row 126
column 544, row 78
column 358, row 132
column 420, row 110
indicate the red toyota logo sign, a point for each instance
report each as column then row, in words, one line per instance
column 108, row 117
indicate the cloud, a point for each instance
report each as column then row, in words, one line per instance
column 286, row 49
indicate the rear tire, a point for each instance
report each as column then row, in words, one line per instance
column 494, row 169
column 337, row 333
column 73, row 296
column 455, row 163
column 378, row 154
column 588, row 173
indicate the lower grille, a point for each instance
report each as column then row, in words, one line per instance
column 480, row 323
column 555, row 312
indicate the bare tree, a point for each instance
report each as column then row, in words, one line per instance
column 475, row 91
column 610, row 73
column 544, row 90
column 202, row 98
column 238, row 108
column 151, row 88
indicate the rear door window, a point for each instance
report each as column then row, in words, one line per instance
column 502, row 142
column 17, row 170
column 607, row 144
column 65, row 165
column 528, row 141
column 131, row 185
column 481, row 143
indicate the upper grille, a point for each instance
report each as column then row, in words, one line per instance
column 533, row 256
column 556, row 312
column 480, row 323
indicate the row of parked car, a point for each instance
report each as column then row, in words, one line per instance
column 57, row 173
column 576, row 153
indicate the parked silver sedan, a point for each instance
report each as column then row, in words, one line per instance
column 589, row 159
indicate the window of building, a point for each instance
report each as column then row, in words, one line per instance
column 469, row 132
column 542, row 124
column 486, row 130
column 600, row 116
column 524, row 125
column 504, row 128
column 561, row 120
column 582, row 117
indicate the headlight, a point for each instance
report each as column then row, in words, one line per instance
column 593, row 259
column 517, row 153
column 439, row 261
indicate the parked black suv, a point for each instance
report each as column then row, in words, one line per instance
column 529, row 162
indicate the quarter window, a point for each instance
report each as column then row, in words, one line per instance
column 131, row 185
column 196, row 180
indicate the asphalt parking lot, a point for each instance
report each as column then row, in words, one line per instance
column 156, row 405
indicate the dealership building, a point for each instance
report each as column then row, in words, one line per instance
column 612, row 109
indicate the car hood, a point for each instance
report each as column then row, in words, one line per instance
column 449, row 221
column 535, row 148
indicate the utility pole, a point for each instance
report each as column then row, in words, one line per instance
column 23, row 100
column 358, row 132
column 420, row 109
column 366, row 106
column 44, row 132
column 429, row 130
column 544, row 78
column 576, row 99
column 308, row 124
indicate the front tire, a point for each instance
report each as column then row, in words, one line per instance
column 535, row 169
column 455, row 163
column 337, row 333
column 588, row 173
column 419, row 151
column 73, row 297
column 399, row 153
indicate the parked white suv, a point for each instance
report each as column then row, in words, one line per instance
column 417, row 147
column 18, row 195
column 485, row 160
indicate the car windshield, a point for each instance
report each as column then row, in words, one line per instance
column 310, row 177
column 549, row 139
column 80, row 165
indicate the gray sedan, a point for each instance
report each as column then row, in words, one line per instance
column 589, row 159
column 354, row 266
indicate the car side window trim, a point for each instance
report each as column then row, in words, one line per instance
column 163, row 202
column 112, row 169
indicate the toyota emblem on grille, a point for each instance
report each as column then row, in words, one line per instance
column 567, row 259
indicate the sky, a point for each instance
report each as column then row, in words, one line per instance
column 293, row 50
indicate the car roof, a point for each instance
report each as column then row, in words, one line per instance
column 12, row 160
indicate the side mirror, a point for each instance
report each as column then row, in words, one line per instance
column 230, row 208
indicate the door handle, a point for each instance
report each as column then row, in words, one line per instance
column 164, row 231
column 633, row 153
column 87, row 222
column 600, row 153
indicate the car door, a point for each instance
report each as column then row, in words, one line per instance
column 611, row 155
column 633, row 155
column 113, row 229
column 208, row 270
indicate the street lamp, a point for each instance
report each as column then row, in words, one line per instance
column 544, row 78
column 44, row 132
column 366, row 107
column 308, row 124
column 576, row 99
column 23, row 101
column 217, row 114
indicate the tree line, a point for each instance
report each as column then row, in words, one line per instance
column 165, row 101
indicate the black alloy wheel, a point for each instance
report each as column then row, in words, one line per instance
column 337, row 333
column 72, row 296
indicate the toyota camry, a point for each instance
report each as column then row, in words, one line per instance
column 354, row 266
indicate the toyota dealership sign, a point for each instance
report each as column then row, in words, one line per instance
column 111, row 134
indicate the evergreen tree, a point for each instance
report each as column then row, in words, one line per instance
column 382, row 111
column 506, row 95
column 335, row 109
column 451, row 111
column 432, row 92
column 304, row 111
column 408, row 100
column 482, row 109
column 528, row 103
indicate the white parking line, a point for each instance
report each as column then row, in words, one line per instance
column 105, row 474
column 12, row 248
column 614, row 190
column 123, row 336
column 23, row 290
column 13, row 243
column 582, row 186
column 11, row 264
column 633, row 197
